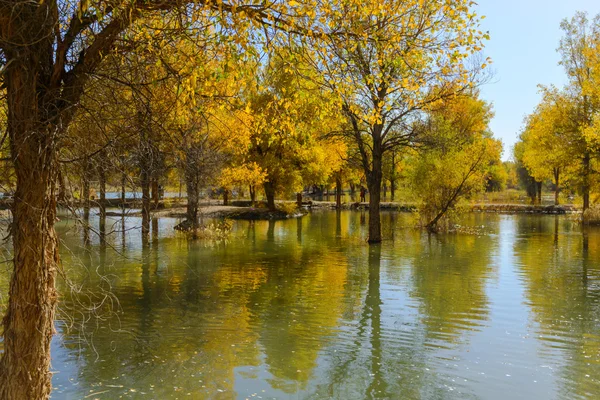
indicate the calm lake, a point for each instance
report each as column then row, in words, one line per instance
column 305, row 309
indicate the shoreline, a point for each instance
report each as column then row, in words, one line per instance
column 241, row 209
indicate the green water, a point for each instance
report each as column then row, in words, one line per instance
column 304, row 309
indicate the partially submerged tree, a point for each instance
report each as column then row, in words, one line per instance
column 454, row 165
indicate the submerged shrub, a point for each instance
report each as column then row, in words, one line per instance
column 216, row 231
column 288, row 208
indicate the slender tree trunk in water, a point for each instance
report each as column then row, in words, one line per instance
column 299, row 200
column 145, row 183
column 271, row 231
column 29, row 319
column 155, row 194
column 252, row 195
column 556, row 186
column 85, row 196
column 225, row 197
column 586, row 181
column 374, row 184
column 338, row 192
column 192, row 199
column 123, row 183
column 539, row 192
column 145, row 165
column 102, row 179
column 270, row 193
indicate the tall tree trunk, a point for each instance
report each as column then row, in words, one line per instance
column 270, row 194
column 192, row 198
column 374, row 183
column 586, row 181
column 145, row 165
column 338, row 192
column 299, row 200
column 29, row 319
column 539, row 193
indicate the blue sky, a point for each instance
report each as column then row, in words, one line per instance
column 524, row 38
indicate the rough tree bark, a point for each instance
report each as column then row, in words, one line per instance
column 29, row 320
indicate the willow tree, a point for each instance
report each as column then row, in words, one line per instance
column 401, row 57
column 48, row 49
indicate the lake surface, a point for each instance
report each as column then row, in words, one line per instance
column 305, row 309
